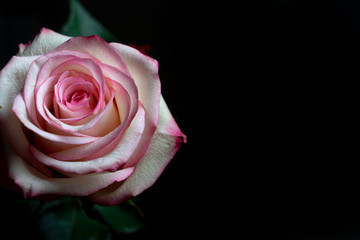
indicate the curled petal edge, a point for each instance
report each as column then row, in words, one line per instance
column 34, row 184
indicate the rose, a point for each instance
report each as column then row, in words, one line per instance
column 83, row 117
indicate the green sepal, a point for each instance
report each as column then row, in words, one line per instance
column 81, row 23
column 64, row 219
column 124, row 219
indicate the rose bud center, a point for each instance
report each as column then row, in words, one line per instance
column 78, row 96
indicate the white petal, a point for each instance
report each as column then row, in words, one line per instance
column 44, row 42
column 35, row 184
column 12, row 78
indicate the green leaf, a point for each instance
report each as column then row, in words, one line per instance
column 63, row 219
column 81, row 23
column 123, row 218
column 86, row 228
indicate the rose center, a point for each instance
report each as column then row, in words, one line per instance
column 78, row 94
column 78, row 97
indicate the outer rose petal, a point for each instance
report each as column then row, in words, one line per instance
column 12, row 78
column 144, row 71
column 165, row 143
column 44, row 42
column 35, row 184
column 97, row 48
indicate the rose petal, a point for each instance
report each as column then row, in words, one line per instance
column 19, row 109
column 109, row 162
column 97, row 48
column 162, row 148
column 69, row 62
column 86, row 66
column 108, row 142
column 35, row 184
column 124, row 86
column 59, row 89
column 40, row 70
column 12, row 78
column 100, row 147
column 106, row 121
column 109, row 115
column 11, row 81
column 44, row 42
column 38, row 73
column 144, row 71
column 54, row 125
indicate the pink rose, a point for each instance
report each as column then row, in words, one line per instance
column 83, row 117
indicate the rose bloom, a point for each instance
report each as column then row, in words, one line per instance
column 83, row 117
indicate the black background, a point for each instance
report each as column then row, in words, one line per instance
column 266, row 94
column 303, row 58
